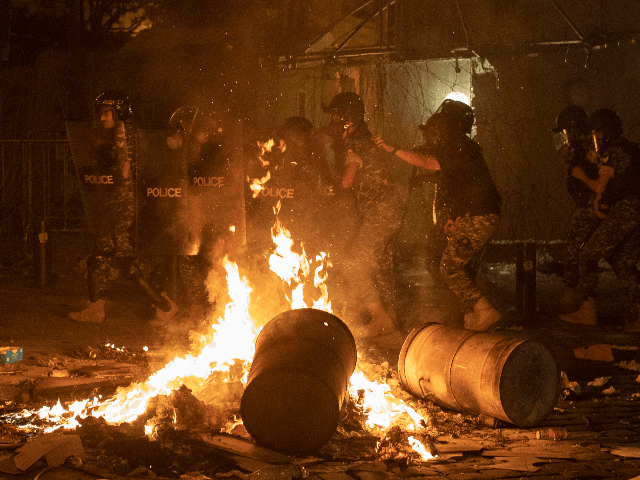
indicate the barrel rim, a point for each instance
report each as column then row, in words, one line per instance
column 322, row 312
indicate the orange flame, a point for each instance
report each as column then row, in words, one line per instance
column 294, row 269
column 257, row 184
column 233, row 337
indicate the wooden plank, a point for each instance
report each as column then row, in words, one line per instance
column 246, row 448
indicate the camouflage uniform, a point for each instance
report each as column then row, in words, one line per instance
column 615, row 237
column 379, row 204
column 468, row 197
column 583, row 221
column 466, row 241
column 114, row 241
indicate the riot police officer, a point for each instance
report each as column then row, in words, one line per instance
column 468, row 204
column 570, row 141
column 378, row 200
column 201, row 139
column 113, row 148
column 616, row 207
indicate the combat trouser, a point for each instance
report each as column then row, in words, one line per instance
column 466, row 241
column 608, row 242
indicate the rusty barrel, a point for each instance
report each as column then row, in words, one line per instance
column 505, row 377
column 298, row 380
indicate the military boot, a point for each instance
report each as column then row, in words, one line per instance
column 632, row 323
column 94, row 312
column 482, row 316
column 382, row 322
column 567, row 300
column 587, row 314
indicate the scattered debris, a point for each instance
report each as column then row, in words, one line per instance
column 10, row 354
column 55, row 447
column 600, row 352
column 598, row 382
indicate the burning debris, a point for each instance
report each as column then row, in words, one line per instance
column 325, row 399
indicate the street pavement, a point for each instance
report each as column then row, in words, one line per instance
column 599, row 406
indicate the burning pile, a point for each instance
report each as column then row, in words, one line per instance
column 202, row 389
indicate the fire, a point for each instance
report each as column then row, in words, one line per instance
column 257, row 184
column 380, row 406
column 294, row 269
column 231, row 339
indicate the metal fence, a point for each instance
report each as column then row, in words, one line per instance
column 38, row 183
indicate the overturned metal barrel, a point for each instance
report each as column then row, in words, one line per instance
column 505, row 377
column 298, row 380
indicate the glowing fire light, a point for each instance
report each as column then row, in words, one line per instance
column 294, row 268
column 233, row 337
column 257, row 184
column 420, row 448
column 380, row 406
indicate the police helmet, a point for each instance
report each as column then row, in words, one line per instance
column 608, row 122
column 117, row 102
column 183, row 117
column 573, row 118
column 438, row 125
column 347, row 107
column 296, row 125
column 459, row 113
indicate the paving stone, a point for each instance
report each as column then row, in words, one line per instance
column 367, row 475
column 417, row 470
column 469, row 476
column 334, row 476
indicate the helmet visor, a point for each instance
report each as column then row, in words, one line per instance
column 560, row 139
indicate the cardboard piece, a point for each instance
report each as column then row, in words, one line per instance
column 245, row 448
column 599, row 352
column 55, row 447
column 519, row 464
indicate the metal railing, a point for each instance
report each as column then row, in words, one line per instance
column 38, row 183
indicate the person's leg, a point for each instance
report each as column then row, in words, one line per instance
column 624, row 262
column 581, row 226
column 468, row 236
column 369, row 269
column 621, row 220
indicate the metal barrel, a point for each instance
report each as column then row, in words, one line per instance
column 506, row 377
column 298, row 380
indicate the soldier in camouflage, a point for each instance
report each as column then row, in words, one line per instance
column 201, row 135
column 114, row 251
column 570, row 136
column 369, row 270
column 467, row 203
column 616, row 205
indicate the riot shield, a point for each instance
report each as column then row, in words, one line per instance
column 299, row 200
column 99, row 156
column 188, row 197
column 215, row 178
column 161, row 195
